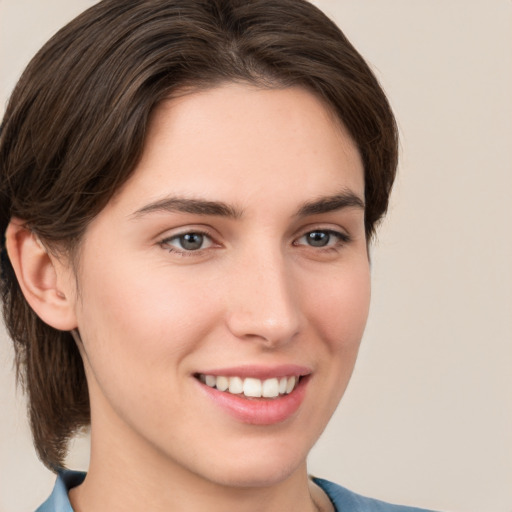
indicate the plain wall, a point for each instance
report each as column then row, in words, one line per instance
column 427, row 419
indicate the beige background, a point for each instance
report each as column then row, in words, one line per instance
column 427, row 419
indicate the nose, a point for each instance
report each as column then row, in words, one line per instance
column 263, row 301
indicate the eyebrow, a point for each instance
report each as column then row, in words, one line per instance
column 190, row 205
column 344, row 199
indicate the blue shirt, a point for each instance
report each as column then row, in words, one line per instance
column 343, row 499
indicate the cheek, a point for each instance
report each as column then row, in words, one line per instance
column 138, row 328
column 129, row 316
column 341, row 310
column 337, row 315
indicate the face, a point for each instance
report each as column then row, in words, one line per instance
column 235, row 257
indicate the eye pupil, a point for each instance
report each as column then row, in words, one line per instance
column 318, row 238
column 191, row 241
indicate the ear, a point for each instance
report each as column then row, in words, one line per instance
column 43, row 279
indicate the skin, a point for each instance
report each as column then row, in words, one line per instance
column 152, row 314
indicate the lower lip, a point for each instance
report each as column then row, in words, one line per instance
column 259, row 411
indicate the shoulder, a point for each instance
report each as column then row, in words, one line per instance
column 348, row 501
column 58, row 500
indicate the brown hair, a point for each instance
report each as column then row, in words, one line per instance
column 75, row 125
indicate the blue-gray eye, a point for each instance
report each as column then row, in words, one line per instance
column 318, row 238
column 191, row 241
column 323, row 238
column 188, row 242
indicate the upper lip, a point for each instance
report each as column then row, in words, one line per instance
column 259, row 372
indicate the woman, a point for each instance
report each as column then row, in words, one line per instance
column 188, row 193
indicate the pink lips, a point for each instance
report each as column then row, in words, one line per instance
column 259, row 411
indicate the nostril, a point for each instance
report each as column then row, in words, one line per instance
column 258, row 327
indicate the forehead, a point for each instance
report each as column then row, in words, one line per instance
column 240, row 141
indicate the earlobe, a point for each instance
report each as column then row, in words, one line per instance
column 40, row 277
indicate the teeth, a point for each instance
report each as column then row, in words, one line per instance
column 270, row 388
column 222, row 383
column 282, row 385
column 290, row 385
column 210, row 380
column 250, row 387
column 236, row 385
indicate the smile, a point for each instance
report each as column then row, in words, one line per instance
column 251, row 387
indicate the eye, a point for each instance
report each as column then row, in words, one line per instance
column 188, row 242
column 322, row 238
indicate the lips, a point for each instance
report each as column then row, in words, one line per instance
column 257, row 396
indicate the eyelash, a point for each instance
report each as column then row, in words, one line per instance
column 341, row 240
column 165, row 243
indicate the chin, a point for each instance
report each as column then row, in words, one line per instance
column 253, row 475
column 258, row 466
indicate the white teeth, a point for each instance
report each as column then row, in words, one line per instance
column 290, row 385
column 222, row 383
column 210, row 380
column 251, row 387
column 236, row 385
column 270, row 388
